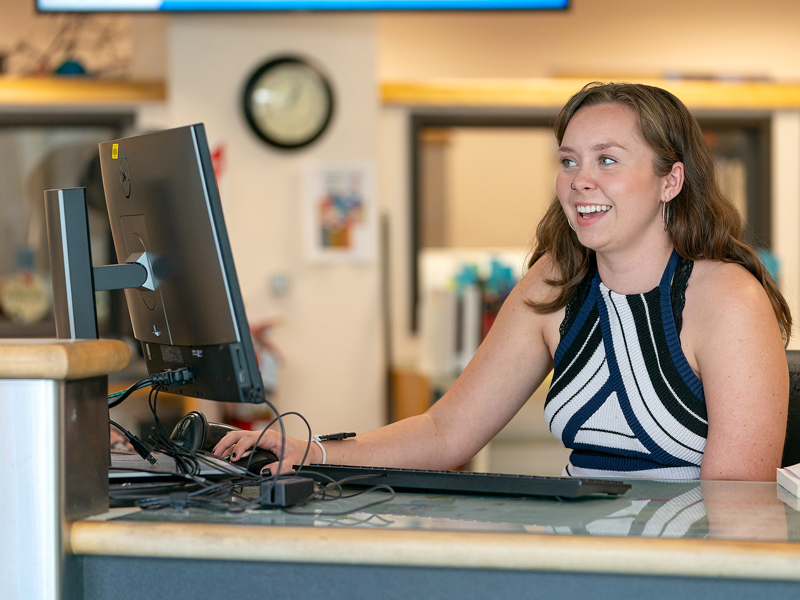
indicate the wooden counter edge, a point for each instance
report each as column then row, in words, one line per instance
column 443, row 549
column 61, row 359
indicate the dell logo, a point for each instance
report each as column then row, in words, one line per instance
column 125, row 177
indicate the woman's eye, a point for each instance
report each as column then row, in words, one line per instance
column 567, row 162
column 607, row 160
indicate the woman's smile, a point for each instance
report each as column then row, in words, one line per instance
column 590, row 213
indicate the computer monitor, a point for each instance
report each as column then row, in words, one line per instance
column 163, row 201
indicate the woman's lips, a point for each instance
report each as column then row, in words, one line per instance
column 588, row 214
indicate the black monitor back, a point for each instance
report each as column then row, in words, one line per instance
column 163, row 199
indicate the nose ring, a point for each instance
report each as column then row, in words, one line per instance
column 572, row 186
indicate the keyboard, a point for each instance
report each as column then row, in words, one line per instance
column 464, row 482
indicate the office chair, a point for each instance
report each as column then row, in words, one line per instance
column 791, row 447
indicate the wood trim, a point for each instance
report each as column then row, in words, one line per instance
column 553, row 93
column 26, row 91
column 61, row 359
column 517, row 551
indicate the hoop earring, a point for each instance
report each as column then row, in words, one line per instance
column 571, row 227
column 665, row 214
column 572, row 186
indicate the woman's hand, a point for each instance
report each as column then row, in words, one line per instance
column 236, row 443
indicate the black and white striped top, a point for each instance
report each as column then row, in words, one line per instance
column 623, row 396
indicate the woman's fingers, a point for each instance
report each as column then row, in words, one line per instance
column 237, row 443
column 230, row 439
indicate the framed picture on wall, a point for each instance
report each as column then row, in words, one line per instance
column 340, row 212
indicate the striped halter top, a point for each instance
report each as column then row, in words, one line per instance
column 623, row 396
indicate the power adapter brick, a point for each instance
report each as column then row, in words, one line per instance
column 286, row 491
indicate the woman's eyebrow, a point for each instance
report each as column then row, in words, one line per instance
column 596, row 147
column 606, row 145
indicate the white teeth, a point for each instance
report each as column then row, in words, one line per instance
column 592, row 208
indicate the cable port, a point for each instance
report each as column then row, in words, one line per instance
column 172, row 378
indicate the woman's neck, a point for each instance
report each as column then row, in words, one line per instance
column 634, row 273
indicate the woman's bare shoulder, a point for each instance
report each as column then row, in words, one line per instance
column 726, row 294
column 725, row 281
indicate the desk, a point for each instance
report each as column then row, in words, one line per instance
column 661, row 540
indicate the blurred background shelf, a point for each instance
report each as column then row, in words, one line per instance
column 552, row 93
column 38, row 91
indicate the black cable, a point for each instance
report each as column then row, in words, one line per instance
column 222, row 496
column 137, row 444
column 263, row 399
column 335, row 521
column 215, row 496
column 136, row 386
column 270, row 424
column 185, row 460
column 380, row 486
column 342, row 482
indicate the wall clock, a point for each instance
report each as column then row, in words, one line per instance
column 288, row 102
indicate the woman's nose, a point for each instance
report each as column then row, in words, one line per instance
column 582, row 181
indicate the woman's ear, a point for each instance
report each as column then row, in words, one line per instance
column 673, row 182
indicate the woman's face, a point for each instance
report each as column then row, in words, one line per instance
column 606, row 185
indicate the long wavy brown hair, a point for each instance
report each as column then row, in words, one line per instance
column 703, row 223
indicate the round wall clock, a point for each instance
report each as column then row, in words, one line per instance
column 288, row 102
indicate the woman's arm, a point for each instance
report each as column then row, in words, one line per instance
column 510, row 364
column 741, row 360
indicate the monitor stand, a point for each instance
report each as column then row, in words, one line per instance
column 74, row 279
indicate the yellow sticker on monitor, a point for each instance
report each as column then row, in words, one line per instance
column 114, row 151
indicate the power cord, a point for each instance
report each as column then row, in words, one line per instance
column 169, row 378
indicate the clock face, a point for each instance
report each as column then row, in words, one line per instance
column 288, row 102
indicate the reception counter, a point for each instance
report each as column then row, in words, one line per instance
column 60, row 540
column 659, row 540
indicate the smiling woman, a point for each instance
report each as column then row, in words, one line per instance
column 663, row 330
column 638, row 181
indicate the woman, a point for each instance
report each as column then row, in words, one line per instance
column 664, row 332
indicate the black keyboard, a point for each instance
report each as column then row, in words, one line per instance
column 464, row 482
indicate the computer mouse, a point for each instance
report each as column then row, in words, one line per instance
column 261, row 458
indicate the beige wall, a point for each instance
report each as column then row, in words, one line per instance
column 330, row 334
column 598, row 38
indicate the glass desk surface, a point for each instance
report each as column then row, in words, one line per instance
column 719, row 510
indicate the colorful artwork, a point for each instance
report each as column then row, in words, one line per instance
column 340, row 211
